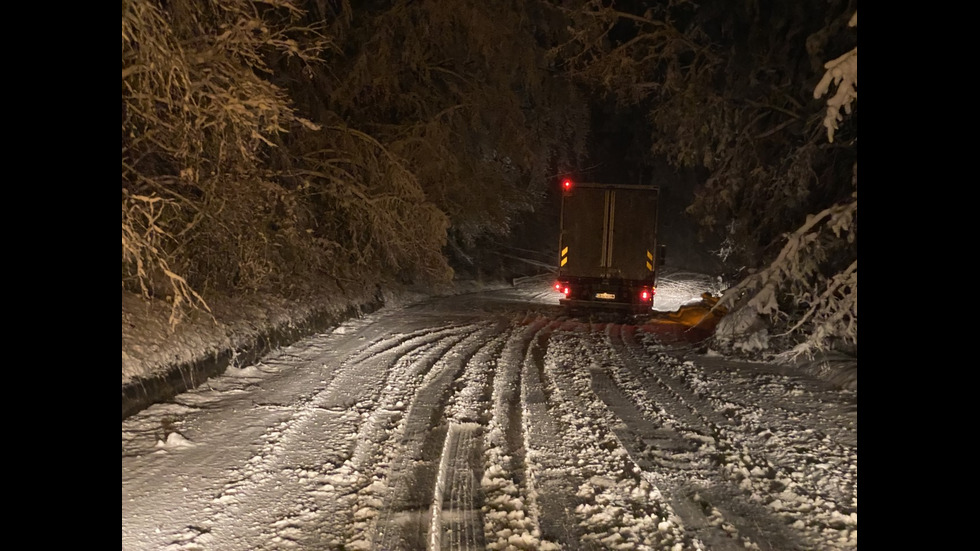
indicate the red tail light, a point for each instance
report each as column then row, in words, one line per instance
column 645, row 295
column 566, row 290
column 566, row 184
column 558, row 286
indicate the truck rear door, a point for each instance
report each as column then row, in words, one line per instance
column 609, row 232
column 632, row 240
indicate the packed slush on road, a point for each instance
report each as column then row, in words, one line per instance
column 496, row 420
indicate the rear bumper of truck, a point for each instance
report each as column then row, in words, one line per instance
column 631, row 308
column 623, row 295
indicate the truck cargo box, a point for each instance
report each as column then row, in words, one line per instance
column 608, row 246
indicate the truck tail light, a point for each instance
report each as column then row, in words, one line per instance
column 566, row 185
column 558, row 286
column 646, row 295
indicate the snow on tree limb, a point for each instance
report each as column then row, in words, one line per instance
column 840, row 281
column 842, row 73
column 829, row 303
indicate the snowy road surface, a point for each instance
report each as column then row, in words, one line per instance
column 492, row 421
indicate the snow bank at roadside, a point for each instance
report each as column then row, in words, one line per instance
column 151, row 350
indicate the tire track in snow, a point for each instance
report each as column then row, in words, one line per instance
column 396, row 343
column 649, row 442
column 457, row 515
column 280, row 468
column 685, row 455
column 510, row 512
column 790, row 450
column 619, row 505
column 405, row 518
column 680, row 405
column 549, row 480
column 365, row 397
column 457, row 522
column 733, row 503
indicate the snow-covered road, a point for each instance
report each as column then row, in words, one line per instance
column 493, row 421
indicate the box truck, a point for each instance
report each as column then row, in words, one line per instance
column 608, row 251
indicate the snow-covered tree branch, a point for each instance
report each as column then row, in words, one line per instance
column 842, row 73
column 823, row 306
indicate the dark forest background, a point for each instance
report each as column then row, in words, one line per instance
column 283, row 146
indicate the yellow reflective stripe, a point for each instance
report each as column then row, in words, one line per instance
column 564, row 260
column 565, row 251
column 650, row 256
column 649, row 266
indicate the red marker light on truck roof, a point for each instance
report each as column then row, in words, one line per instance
column 566, row 184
